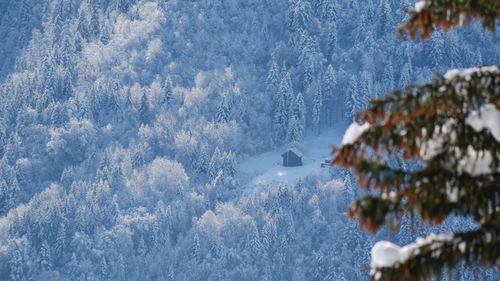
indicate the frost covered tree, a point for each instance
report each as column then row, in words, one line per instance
column 386, row 17
column 299, row 110
column 309, row 56
column 88, row 190
column 329, row 9
column 353, row 101
column 437, row 49
column 293, row 134
column 167, row 91
column 282, row 108
column 332, row 37
column 273, row 78
column 451, row 126
column 365, row 87
column 406, row 75
column 388, row 76
column 280, row 118
column 203, row 160
column 316, row 110
column 223, row 111
column 455, row 137
column 143, row 110
column 329, row 96
column 453, row 45
column 222, row 167
column 300, row 14
column 16, row 264
column 230, row 165
column 45, row 258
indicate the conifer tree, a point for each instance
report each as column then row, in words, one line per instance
column 405, row 75
column 273, row 78
column 293, row 134
column 329, row 9
column 73, row 266
column 388, row 76
column 282, row 109
column 103, row 268
column 16, row 263
column 196, row 248
column 120, row 268
column 229, row 168
column 60, row 242
column 83, row 18
column 300, row 14
column 353, row 101
column 329, row 96
column 203, row 160
column 94, row 27
column 332, row 37
column 297, row 121
column 45, row 258
column 167, row 91
column 214, row 164
column 142, row 248
column 280, row 117
column 450, row 126
column 144, row 113
column 316, row 111
column 308, row 55
column 452, row 45
column 222, row 114
column 365, row 87
column 300, row 112
column 437, row 52
column 386, row 19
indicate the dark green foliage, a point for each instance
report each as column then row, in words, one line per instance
column 409, row 121
column 450, row 13
column 460, row 165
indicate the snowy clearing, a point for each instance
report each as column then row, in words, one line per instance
column 266, row 169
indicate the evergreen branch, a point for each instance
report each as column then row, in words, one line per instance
column 434, row 193
column 432, row 14
column 428, row 257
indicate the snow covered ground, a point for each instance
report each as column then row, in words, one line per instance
column 266, row 169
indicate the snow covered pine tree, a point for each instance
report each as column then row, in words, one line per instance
column 451, row 125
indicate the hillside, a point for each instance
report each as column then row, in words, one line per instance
column 135, row 135
column 265, row 170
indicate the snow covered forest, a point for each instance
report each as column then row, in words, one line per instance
column 123, row 125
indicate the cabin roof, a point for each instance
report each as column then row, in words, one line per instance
column 294, row 151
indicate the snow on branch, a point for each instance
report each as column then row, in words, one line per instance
column 488, row 118
column 354, row 132
column 387, row 254
column 468, row 72
column 428, row 255
column 427, row 15
column 420, row 5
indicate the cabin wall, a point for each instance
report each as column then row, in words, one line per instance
column 291, row 160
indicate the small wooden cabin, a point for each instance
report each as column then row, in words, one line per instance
column 292, row 158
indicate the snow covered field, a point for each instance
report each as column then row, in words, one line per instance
column 266, row 169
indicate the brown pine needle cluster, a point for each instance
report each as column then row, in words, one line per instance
column 455, row 166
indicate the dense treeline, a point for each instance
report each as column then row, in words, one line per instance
column 122, row 123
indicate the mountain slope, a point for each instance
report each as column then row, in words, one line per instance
column 122, row 123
